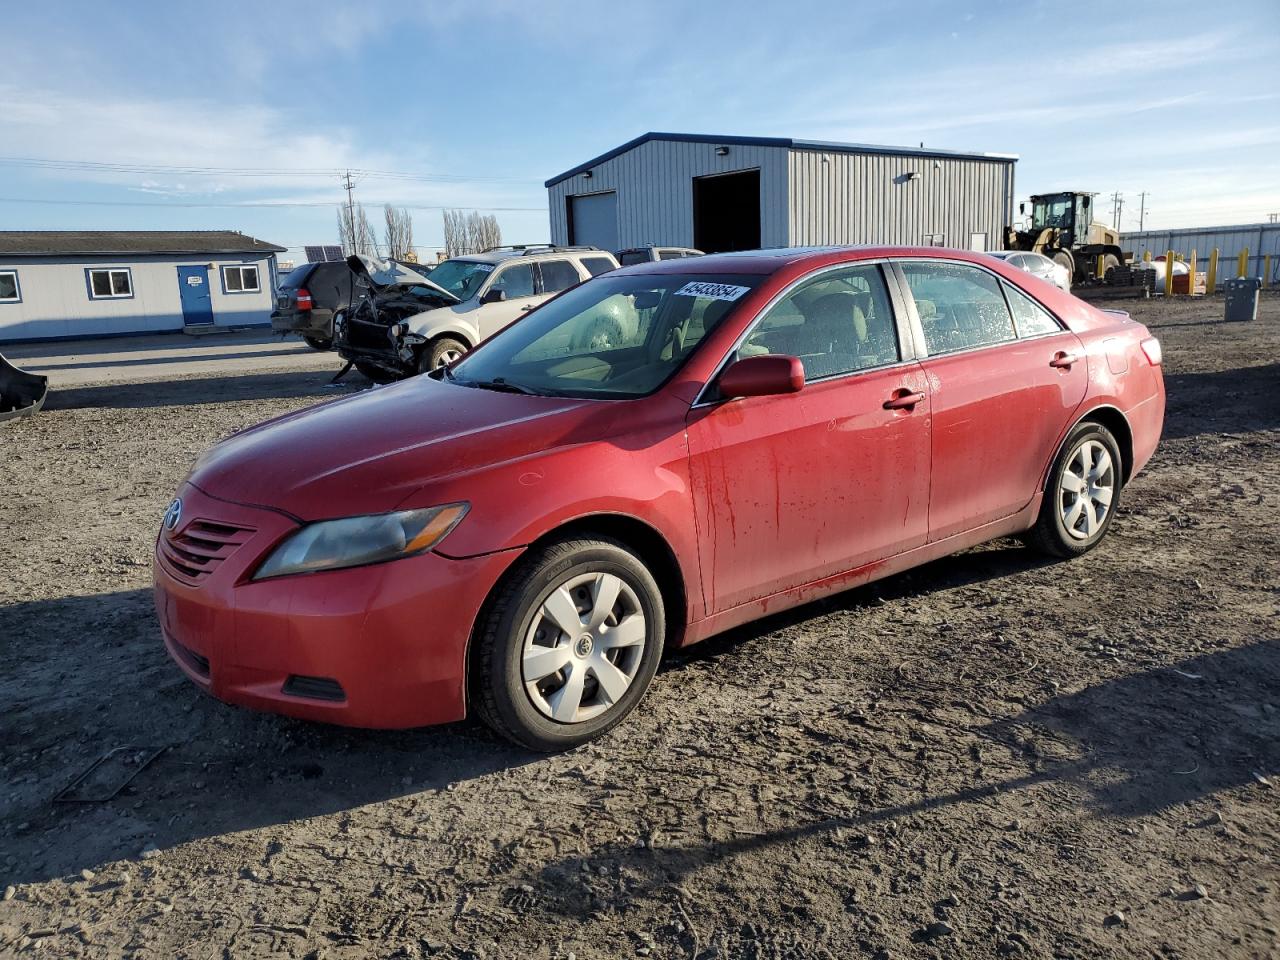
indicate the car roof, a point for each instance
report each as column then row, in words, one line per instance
column 777, row 258
column 535, row 253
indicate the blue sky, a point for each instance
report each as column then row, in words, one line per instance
column 482, row 101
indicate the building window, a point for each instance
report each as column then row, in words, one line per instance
column 935, row 239
column 240, row 280
column 113, row 284
column 10, row 292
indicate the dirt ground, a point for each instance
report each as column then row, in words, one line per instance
column 988, row 756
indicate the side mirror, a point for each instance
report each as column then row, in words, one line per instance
column 762, row 376
column 494, row 296
column 1022, row 208
column 1086, row 202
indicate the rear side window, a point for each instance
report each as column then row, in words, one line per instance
column 837, row 323
column 960, row 307
column 598, row 265
column 558, row 275
column 1031, row 319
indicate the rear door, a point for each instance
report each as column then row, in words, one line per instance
column 1001, row 393
column 794, row 488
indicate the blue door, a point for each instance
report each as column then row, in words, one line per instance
column 197, row 305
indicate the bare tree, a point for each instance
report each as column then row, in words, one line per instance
column 355, row 232
column 399, row 233
column 470, row 232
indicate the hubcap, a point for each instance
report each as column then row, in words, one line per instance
column 1086, row 490
column 583, row 648
column 448, row 357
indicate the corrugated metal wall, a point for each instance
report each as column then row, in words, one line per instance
column 1260, row 238
column 655, row 191
column 868, row 198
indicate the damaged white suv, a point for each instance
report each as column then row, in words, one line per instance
column 468, row 299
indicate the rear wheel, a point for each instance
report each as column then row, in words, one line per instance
column 1082, row 493
column 1110, row 264
column 319, row 343
column 569, row 645
column 439, row 353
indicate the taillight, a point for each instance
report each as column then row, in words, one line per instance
column 1151, row 347
column 304, row 298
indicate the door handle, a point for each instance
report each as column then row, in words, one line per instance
column 903, row 400
column 1064, row 359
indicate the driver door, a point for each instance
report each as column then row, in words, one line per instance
column 516, row 281
column 794, row 488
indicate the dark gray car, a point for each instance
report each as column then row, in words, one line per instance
column 308, row 298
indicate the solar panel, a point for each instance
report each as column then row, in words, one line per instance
column 319, row 254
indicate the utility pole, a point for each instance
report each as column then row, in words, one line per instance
column 1273, row 217
column 349, row 184
column 1142, row 210
column 1117, row 204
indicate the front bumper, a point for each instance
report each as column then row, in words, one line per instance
column 390, row 638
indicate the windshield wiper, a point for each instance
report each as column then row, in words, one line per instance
column 503, row 385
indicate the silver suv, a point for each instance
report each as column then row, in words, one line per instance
column 476, row 296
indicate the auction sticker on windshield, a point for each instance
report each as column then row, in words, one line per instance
column 715, row 291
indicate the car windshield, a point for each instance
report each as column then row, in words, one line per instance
column 462, row 278
column 613, row 337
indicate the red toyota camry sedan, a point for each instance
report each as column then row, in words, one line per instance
column 652, row 457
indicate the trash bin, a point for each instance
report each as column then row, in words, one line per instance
column 1241, row 295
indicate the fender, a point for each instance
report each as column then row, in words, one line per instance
column 443, row 321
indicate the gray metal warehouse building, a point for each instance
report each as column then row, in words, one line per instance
column 740, row 193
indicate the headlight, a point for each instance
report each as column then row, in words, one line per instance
column 354, row 541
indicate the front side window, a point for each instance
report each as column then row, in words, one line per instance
column 10, row 292
column 960, row 306
column 614, row 337
column 110, row 284
column 240, row 279
column 598, row 265
column 557, row 275
column 837, row 323
column 1030, row 319
column 516, row 280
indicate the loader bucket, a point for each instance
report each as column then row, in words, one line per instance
column 20, row 392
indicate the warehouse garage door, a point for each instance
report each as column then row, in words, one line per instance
column 593, row 220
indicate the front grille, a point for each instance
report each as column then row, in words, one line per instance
column 200, row 547
column 192, row 659
column 314, row 688
column 363, row 333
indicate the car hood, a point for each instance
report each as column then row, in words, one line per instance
column 367, row 453
column 383, row 274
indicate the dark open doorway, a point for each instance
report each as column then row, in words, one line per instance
column 726, row 212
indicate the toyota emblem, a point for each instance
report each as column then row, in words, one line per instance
column 173, row 515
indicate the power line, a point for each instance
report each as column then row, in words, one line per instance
column 263, row 204
column 95, row 166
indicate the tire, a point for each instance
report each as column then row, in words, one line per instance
column 440, row 351
column 376, row 374
column 1064, row 258
column 1069, row 523
column 1110, row 264
column 540, row 712
column 319, row 343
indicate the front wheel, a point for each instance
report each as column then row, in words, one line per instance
column 569, row 644
column 319, row 343
column 439, row 353
column 1081, row 495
